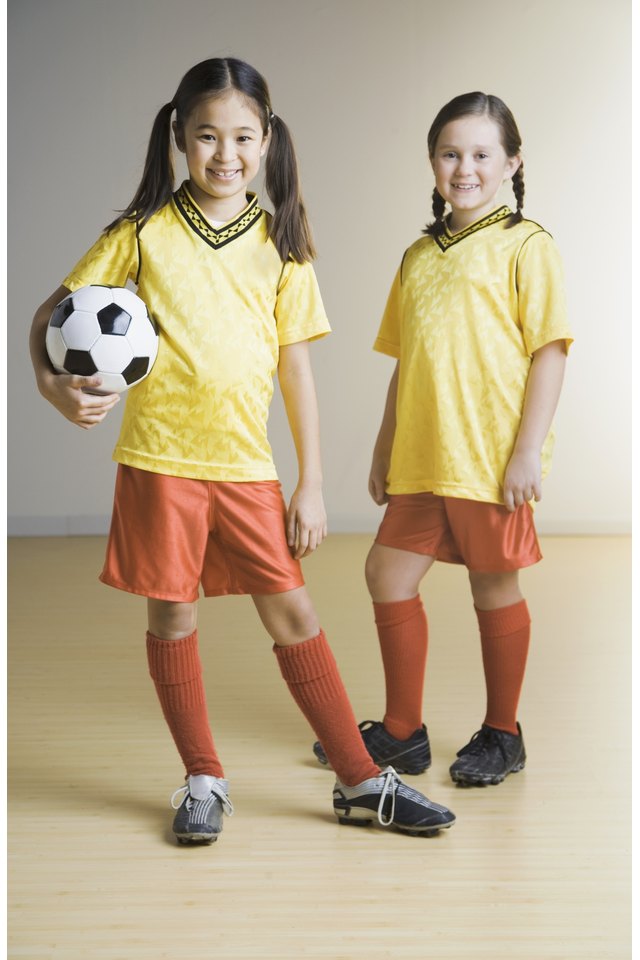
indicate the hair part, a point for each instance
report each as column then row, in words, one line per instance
column 288, row 227
column 478, row 104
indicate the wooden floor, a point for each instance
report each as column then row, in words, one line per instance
column 534, row 869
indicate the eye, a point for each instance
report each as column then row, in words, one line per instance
column 482, row 156
column 207, row 137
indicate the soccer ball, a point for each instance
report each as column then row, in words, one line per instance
column 105, row 331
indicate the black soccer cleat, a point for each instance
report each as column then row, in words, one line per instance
column 389, row 801
column 411, row 756
column 204, row 800
column 489, row 757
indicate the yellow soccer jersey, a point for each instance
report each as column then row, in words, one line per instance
column 465, row 314
column 224, row 303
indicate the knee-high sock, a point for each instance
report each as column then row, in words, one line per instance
column 504, row 634
column 311, row 673
column 176, row 671
column 404, row 636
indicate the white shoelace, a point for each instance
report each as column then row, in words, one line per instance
column 391, row 783
column 227, row 806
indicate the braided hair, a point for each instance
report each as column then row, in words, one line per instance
column 518, row 188
column 478, row 104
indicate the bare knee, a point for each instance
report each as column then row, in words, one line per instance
column 374, row 571
column 393, row 575
column 288, row 617
column 171, row 621
column 382, row 574
column 494, row 590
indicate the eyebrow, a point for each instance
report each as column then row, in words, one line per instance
column 210, row 126
column 453, row 146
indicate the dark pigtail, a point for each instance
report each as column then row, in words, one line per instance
column 478, row 104
column 436, row 227
column 289, row 228
column 518, row 188
column 157, row 182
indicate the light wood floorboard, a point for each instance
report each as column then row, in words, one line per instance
column 535, row 869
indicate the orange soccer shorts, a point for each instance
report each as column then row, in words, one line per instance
column 485, row 537
column 171, row 534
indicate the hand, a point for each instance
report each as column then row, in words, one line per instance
column 67, row 394
column 522, row 480
column 377, row 480
column 306, row 521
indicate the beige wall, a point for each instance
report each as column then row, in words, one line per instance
column 359, row 83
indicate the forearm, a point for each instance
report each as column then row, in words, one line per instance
column 386, row 433
column 541, row 396
column 382, row 449
column 306, row 523
column 65, row 391
column 299, row 395
column 523, row 476
column 39, row 357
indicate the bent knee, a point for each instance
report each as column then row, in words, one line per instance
column 376, row 570
column 493, row 590
column 393, row 574
column 171, row 621
column 295, row 625
column 288, row 617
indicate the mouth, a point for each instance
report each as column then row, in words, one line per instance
column 225, row 174
column 466, row 187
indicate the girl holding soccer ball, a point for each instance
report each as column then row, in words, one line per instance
column 197, row 498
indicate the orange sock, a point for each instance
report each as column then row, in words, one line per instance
column 311, row 673
column 404, row 635
column 504, row 634
column 176, row 671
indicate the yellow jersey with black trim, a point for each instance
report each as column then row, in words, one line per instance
column 224, row 303
column 465, row 313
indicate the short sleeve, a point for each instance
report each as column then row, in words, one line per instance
column 112, row 260
column 541, row 294
column 299, row 310
column 388, row 339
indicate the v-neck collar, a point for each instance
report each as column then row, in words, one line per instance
column 447, row 239
column 216, row 237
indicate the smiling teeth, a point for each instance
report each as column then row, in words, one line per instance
column 225, row 174
column 465, row 186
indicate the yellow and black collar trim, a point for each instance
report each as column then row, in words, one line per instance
column 447, row 239
column 216, row 237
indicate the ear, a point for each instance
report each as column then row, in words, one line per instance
column 265, row 143
column 179, row 136
column 512, row 165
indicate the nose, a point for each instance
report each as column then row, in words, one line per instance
column 465, row 167
column 225, row 150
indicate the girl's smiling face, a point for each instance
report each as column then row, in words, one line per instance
column 223, row 142
column 470, row 165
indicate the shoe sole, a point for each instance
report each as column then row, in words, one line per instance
column 196, row 838
column 468, row 780
column 356, row 821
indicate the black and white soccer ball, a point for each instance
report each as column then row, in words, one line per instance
column 106, row 331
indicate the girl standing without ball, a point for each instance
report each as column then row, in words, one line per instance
column 197, row 498
column 476, row 320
